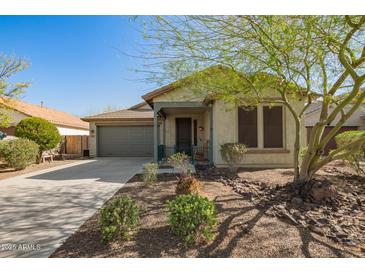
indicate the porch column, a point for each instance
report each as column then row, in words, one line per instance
column 210, row 153
column 155, row 136
column 164, row 132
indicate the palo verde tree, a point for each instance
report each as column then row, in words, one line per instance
column 9, row 65
column 315, row 59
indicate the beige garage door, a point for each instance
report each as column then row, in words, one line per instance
column 125, row 141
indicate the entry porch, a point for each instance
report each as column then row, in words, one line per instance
column 183, row 127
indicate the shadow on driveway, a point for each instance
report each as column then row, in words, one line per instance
column 46, row 207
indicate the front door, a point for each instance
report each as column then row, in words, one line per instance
column 183, row 135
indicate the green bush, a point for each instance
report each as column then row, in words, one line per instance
column 39, row 130
column 348, row 137
column 150, row 173
column 354, row 154
column 120, row 217
column 19, row 153
column 193, row 218
column 232, row 153
column 180, row 161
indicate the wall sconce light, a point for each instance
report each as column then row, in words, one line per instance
column 201, row 128
column 92, row 131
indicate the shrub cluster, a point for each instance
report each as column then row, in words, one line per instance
column 120, row 217
column 188, row 185
column 192, row 218
column 19, row 153
column 150, row 173
column 232, row 153
column 39, row 130
column 180, row 161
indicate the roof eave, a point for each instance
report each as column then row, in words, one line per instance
column 115, row 119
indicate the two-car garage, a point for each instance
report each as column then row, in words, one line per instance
column 124, row 141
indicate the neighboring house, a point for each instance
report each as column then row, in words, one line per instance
column 355, row 122
column 66, row 123
column 173, row 118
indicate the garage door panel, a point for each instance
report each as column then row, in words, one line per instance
column 125, row 141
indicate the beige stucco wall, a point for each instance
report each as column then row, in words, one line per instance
column 71, row 131
column 355, row 120
column 225, row 129
column 183, row 94
column 92, row 139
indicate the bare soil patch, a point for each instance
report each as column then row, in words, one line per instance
column 247, row 227
column 7, row 172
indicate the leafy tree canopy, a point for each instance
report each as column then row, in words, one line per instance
column 39, row 130
column 312, row 58
column 10, row 65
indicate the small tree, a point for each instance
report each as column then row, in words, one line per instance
column 39, row 130
column 269, row 59
column 232, row 153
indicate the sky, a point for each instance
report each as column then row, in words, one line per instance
column 76, row 63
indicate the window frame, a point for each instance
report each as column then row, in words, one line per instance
column 260, row 130
column 283, row 140
column 257, row 128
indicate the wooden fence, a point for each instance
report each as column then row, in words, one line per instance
column 74, row 144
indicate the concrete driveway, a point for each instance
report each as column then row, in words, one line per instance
column 39, row 210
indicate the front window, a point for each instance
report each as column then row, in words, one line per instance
column 247, row 127
column 273, row 127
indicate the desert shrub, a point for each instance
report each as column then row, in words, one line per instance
column 150, row 173
column 232, row 154
column 19, row 153
column 119, row 218
column 188, row 185
column 354, row 154
column 39, row 130
column 181, row 162
column 193, row 218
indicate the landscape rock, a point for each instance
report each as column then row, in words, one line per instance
column 335, row 212
column 322, row 191
column 296, row 201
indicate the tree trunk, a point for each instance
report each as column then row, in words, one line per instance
column 39, row 157
column 297, row 148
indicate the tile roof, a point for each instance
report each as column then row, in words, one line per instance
column 54, row 116
column 123, row 114
column 142, row 105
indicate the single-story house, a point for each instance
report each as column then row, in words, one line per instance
column 355, row 122
column 174, row 118
column 67, row 124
